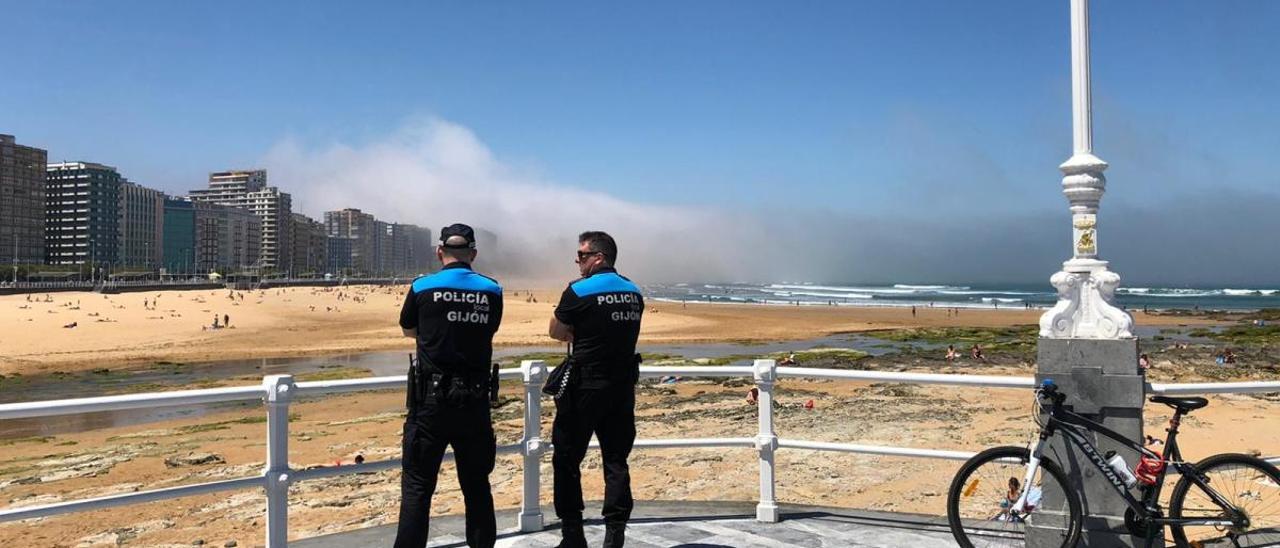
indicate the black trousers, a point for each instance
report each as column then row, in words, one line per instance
column 427, row 431
column 609, row 413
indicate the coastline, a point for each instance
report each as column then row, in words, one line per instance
column 118, row 331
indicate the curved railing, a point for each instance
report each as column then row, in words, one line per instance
column 278, row 391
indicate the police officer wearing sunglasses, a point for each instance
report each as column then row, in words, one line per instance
column 453, row 314
column 599, row 315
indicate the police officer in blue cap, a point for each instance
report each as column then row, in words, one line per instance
column 453, row 314
column 599, row 315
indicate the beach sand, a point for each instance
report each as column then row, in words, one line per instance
column 117, row 331
column 306, row 321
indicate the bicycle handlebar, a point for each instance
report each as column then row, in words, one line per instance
column 1049, row 390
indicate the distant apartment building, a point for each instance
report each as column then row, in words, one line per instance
column 395, row 259
column 82, row 213
column 338, row 255
column 179, row 238
column 22, row 202
column 202, row 237
column 383, row 257
column 228, row 238
column 141, row 226
column 310, row 246
column 362, row 230
column 231, row 186
column 422, row 250
column 410, row 250
column 247, row 189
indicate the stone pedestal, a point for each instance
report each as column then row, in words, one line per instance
column 1102, row 380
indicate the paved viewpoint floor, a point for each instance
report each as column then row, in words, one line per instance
column 695, row 525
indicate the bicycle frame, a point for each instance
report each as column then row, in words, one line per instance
column 1074, row 427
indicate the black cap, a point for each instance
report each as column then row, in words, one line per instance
column 458, row 229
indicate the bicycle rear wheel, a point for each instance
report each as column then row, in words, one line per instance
column 978, row 502
column 1248, row 483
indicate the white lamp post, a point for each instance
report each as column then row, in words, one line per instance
column 1086, row 289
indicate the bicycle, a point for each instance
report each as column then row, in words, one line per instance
column 1226, row 500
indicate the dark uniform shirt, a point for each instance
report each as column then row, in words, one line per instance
column 604, row 310
column 456, row 312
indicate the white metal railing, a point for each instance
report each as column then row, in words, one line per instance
column 277, row 392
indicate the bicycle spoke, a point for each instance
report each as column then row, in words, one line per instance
column 986, row 498
column 1249, row 489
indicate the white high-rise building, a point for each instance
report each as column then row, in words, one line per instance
column 247, row 189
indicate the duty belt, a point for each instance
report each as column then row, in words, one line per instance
column 425, row 387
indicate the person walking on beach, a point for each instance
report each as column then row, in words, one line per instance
column 599, row 316
column 453, row 315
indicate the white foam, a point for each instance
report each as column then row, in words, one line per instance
column 849, row 289
column 821, row 294
column 1249, row 292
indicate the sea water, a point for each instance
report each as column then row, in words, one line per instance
column 956, row 296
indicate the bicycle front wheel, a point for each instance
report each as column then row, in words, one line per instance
column 979, row 503
column 1249, row 484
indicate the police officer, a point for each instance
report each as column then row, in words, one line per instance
column 599, row 315
column 453, row 314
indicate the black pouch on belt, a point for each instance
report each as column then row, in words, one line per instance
column 493, row 385
column 558, row 379
column 461, row 390
column 411, row 388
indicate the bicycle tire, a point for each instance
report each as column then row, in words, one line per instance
column 962, row 483
column 1261, row 493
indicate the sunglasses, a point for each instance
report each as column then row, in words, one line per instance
column 582, row 255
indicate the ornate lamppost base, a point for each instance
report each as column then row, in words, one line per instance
column 1086, row 309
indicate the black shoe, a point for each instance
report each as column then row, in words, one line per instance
column 614, row 535
column 571, row 535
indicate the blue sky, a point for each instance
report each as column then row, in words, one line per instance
column 938, row 108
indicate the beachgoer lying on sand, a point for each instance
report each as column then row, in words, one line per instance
column 70, row 325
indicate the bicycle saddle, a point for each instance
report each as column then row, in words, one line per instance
column 1181, row 404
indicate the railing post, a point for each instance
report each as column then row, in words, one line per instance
column 766, row 372
column 534, row 371
column 279, row 390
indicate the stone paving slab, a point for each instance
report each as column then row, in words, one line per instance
column 695, row 525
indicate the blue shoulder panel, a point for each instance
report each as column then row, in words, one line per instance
column 457, row 278
column 605, row 282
